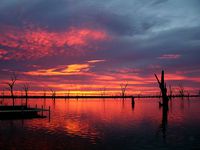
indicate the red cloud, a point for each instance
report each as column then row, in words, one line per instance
column 2, row 53
column 33, row 43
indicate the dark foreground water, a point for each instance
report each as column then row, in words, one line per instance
column 106, row 124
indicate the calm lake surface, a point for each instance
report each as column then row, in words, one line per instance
column 106, row 124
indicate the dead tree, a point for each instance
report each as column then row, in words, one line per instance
column 53, row 94
column 26, row 90
column 44, row 93
column 103, row 91
column 123, row 88
column 163, row 89
column 181, row 90
column 188, row 94
column 68, row 93
column 11, row 84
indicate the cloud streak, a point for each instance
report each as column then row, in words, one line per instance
column 64, row 70
column 169, row 56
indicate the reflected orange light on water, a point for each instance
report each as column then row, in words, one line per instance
column 85, row 118
column 78, row 117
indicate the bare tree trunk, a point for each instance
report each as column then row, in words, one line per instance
column 53, row 94
column 26, row 99
column 181, row 90
column 44, row 93
column 123, row 89
column 12, row 95
column 163, row 89
column 103, row 91
column 26, row 89
column 11, row 87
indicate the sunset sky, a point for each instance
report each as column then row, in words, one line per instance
column 86, row 46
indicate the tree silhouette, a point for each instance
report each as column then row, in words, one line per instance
column 123, row 88
column 103, row 91
column 181, row 90
column 165, row 99
column 163, row 89
column 26, row 90
column 170, row 91
column 53, row 94
column 44, row 93
column 11, row 84
column 68, row 93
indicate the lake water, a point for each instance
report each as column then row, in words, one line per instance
column 106, row 124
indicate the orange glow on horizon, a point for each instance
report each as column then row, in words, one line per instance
column 95, row 83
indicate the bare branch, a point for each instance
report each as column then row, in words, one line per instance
column 26, row 88
column 11, row 84
column 157, row 79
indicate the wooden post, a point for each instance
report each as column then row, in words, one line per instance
column 163, row 89
column 2, row 95
column 49, row 113
column 22, row 109
column 42, row 110
column 133, row 101
column 26, row 100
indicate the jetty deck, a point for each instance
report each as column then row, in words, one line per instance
column 21, row 112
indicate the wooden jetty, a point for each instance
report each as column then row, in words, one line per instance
column 21, row 112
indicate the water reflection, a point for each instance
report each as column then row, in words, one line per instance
column 107, row 124
column 164, row 122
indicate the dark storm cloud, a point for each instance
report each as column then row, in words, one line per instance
column 60, row 14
